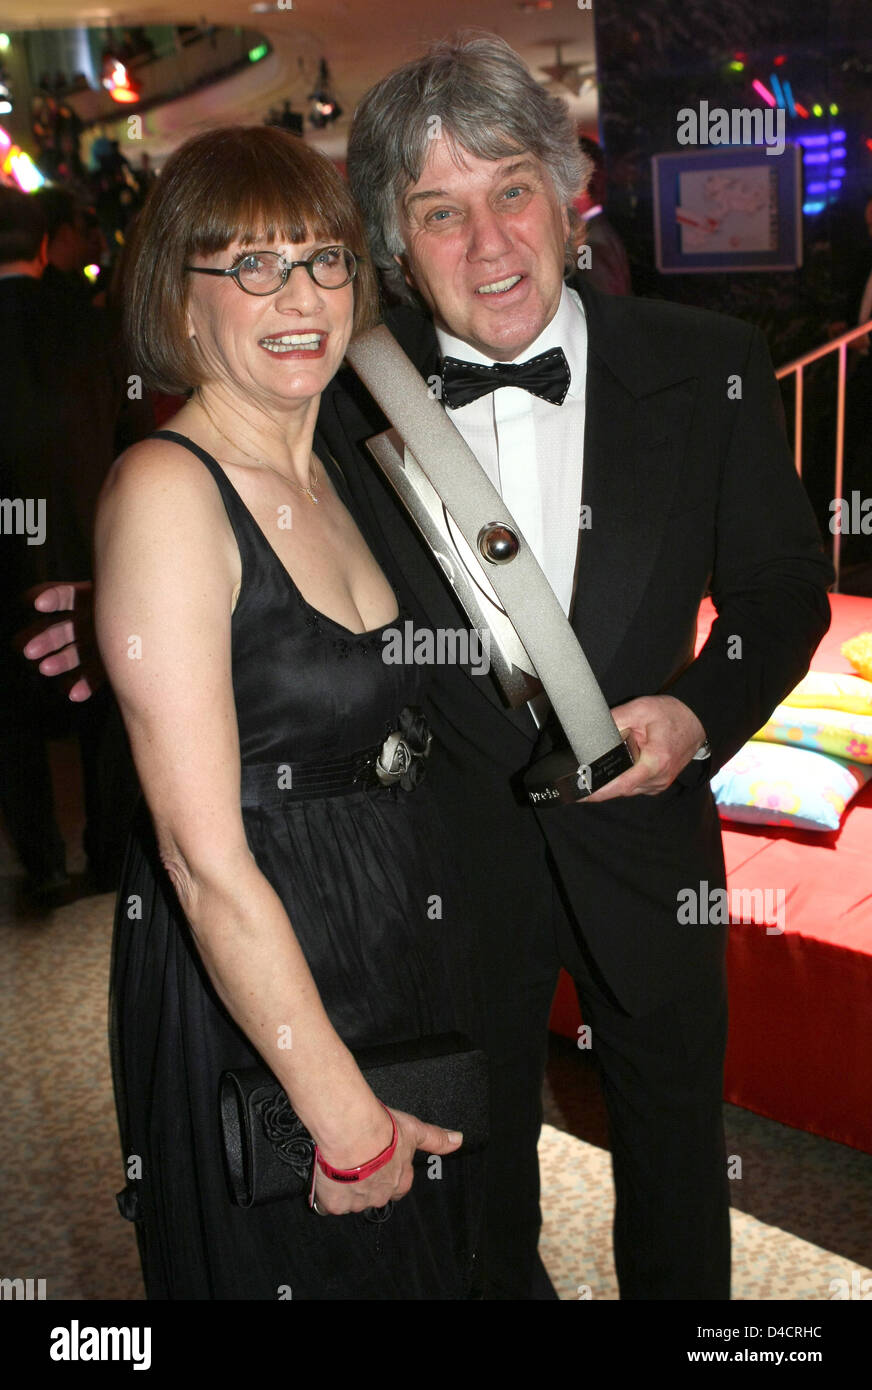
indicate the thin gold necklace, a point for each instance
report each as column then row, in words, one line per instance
column 262, row 463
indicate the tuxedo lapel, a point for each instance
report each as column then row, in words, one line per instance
column 635, row 430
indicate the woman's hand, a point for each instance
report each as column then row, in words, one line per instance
column 393, row 1180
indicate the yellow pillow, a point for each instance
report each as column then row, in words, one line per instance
column 859, row 653
column 822, row 690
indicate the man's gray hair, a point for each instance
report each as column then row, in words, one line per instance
column 474, row 90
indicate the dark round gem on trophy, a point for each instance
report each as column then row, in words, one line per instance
column 498, row 544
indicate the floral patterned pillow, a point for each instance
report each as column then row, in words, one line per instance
column 773, row 784
column 835, row 731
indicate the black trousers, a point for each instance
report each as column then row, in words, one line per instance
column 517, row 972
column 662, row 1074
column 662, row 1080
column 30, row 712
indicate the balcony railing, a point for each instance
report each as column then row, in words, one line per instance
column 796, row 369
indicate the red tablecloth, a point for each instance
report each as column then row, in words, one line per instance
column 800, row 1043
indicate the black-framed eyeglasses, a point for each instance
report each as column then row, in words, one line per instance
column 265, row 272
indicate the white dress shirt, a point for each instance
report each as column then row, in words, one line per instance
column 532, row 450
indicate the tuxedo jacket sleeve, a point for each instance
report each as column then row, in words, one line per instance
column 690, row 488
column 768, row 575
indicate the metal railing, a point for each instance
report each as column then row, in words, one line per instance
column 174, row 71
column 796, row 369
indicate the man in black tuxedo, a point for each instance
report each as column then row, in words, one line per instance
column 672, row 454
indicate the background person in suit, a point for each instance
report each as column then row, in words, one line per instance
column 690, row 486
column 609, row 268
column 64, row 381
column 30, row 439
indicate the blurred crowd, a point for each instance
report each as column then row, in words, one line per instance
column 77, row 404
column 109, row 185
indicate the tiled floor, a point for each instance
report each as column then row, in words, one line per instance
column 802, row 1210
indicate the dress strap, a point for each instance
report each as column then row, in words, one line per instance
column 249, row 536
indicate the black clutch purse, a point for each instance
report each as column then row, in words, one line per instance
column 269, row 1153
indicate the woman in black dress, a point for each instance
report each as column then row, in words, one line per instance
column 274, row 905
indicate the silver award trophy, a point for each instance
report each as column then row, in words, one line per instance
column 497, row 578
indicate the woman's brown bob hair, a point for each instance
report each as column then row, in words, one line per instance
column 238, row 183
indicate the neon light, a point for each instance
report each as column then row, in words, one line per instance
column 815, row 159
column 834, row 110
column 19, row 165
column 837, row 135
column 809, row 140
column 780, row 59
column 815, row 188
column 776, row 87
column 764, row 92
column 817, row 109
column 791, row 104
column 868, row 144
column 802, row 111
column 736, row 66
column 91, row 272
column 813, row 207
column 24, row 171
column 255, row 54
column 838, row 173
column 118, row 84
column 834, row 183
column 840, row 153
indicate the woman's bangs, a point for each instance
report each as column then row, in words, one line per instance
column 269, row 209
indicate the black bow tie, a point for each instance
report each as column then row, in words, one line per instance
column 546, row 375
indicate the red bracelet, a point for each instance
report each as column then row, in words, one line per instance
column 363, row 1170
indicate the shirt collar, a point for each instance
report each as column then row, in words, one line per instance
column 567, row 329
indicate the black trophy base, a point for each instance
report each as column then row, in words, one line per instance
column 557, row 779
